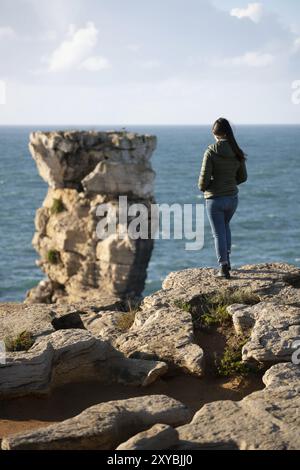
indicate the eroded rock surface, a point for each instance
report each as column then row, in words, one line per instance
column 91, row 343
column 16, row 318
column 164, row 334
column 104, row 426
column 265, row 420
column 64, row 159
column 85, row 171
column 276, row 282
column 274, row 330
column 68, row 356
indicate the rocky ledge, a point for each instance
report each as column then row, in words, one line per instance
column 172, row 332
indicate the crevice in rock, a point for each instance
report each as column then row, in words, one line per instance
column 69, row 321
column 293, row 280
column 202, row 304
column 214, row 332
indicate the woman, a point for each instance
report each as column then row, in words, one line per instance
column 223, row 169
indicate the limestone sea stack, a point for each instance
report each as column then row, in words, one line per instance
column 85, row 170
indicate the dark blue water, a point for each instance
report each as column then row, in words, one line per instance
column 265, row 228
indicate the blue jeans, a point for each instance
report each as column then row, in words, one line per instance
column 220, row 211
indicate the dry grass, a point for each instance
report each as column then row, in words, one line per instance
column 22, row 342
column 126, row 319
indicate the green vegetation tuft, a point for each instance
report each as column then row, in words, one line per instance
column 214, row 308
column 231, row 364
column 209, row 313
column 57, row 207
column 217, row 316
column 238, row 296
column 185, row 306
column 22, row 342
column 211, row 310
column 53, row 257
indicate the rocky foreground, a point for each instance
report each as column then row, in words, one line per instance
column 97, row 340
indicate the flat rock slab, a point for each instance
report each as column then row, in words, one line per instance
column 104, row 426
column 17, row 318
column 166, row 335
column 265, row 420
column 41, row 319
column 277, row 282
column 68, row 356
column 159, row 437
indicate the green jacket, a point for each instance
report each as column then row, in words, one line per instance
column 221, row 171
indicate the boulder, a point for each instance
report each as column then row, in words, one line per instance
column 243, row 317
column 282, row 375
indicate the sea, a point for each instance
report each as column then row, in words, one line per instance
column 265, row 228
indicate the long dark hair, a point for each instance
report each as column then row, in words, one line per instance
column 223, row 128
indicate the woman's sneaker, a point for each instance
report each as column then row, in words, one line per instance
column 224, row 272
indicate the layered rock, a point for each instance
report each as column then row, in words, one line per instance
column 104, row 426
column 85, row 170
column 165, row 334
column 66, row 159
column 68, row 356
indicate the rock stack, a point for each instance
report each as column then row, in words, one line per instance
column 83, row 171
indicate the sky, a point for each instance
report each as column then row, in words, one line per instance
column 98, row 62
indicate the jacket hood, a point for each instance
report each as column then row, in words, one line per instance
column 222, row 148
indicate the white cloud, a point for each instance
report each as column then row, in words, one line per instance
column 296, row 47
column 94, row 64
column 134, row 47
column 50, row 35
column 250, row 59
column 74, row 52
column 254, row 12
column 2, row 92
column 150, row 64
column 7, row 32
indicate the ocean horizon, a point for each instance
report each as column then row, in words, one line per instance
column 265, row 228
